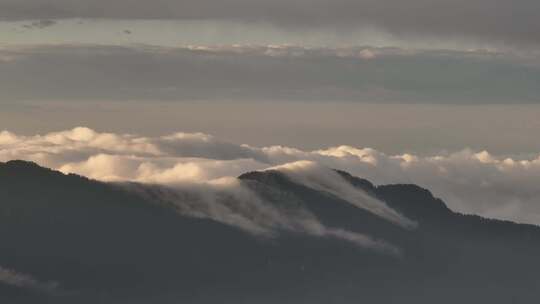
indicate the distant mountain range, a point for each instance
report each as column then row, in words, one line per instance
column 69, row 239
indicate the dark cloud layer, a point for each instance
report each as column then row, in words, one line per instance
column 40, row 24
column 265, row 73
column 495, row 20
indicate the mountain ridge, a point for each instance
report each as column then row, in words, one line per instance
column 101, row 244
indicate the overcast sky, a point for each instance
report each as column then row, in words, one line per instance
column 513, row 22
column 434, row 52
column 334, row 71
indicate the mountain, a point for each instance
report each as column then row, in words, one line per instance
column 69, row 239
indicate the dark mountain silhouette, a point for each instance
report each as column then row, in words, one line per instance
column 83, row 241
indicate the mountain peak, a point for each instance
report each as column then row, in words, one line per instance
column 414, row 201
column 20, row 164
column 266, row 176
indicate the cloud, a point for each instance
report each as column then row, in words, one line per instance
column 262, row 73
column 21, row 280
column 468, row 181
column 318, row 177
column 167, row 170
column 196, row 175
column 367, row 54
column 229, row 201
column 110, row 156
column 506, row 21
column 40, row 24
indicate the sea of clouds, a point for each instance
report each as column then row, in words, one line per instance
column 468, row 181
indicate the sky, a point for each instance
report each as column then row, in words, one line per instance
column 439, row 80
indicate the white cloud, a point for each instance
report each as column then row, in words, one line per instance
column 231, row 202
column 367, row 54
column 318, row 177
column 468, row 181
column 198, row 171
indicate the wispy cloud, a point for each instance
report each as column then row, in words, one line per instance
column 229, row 201
column 318, row 177
column 21, row 280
